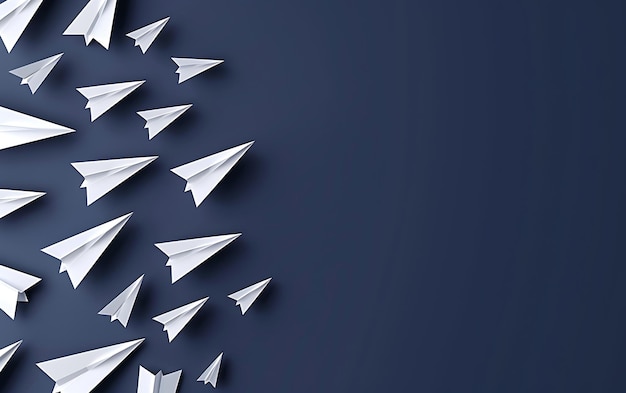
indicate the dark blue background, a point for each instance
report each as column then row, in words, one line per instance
column 436, row 187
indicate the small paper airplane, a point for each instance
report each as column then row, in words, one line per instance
column 7, row 353
column 13, row 287
column 35, row 73
column 11, row 200
column 158, row 119
column 82, row 372
column 119, row 309
column 102, row 98
column 247, row 296
column 186, row 255
column 174, row 321
column 80, row 252
column 204, row 175
column 188, row 67
column 19, row 129
column 14, row 17
column 145, row 36
column 94, row 22
column 211, row 373
column 159, row 382
column 104, row 175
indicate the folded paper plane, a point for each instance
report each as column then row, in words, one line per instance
column 158, row 119
column 211, row 373
column 174, row 321
column 119, row 309
column 35, row 73
column 82, row 372
column 247, row 296
column 94, row 22
column 7, row 353
column 103, row 97
column 186, row 255
column 104, row 175
column 13, row 287
column 19, row 129
column 159, row 382
column 14, row 17
column 204, row 175
column 145, row 36
column 11, row 200
column 189, row 67
column 80, row 252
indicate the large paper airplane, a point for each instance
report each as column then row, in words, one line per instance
column 159, row 382
column 35, row 73
column 104, row 175
column 80, row 252
column 247, row 296
column 13, row 287
column 103, row 97
column 174, row 321
column 204, row 175
column 82, row 372
column 158, row 119
column 189, row 67
column 7, row 353
column 11, row 200
column 94, row 22
column 14, row 17
column 19, row 129
column 211, row 373
column 119, row 309
column 186, row 255
column 145, row 36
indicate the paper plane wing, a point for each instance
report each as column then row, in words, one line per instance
column 120, row 308
column 211, row 373
column 34, row 74
column 247, row 296
column 14, row 17
column 13, row 287
column 11, row 200
column 94, row 22
column 145, row 36
column 159, row 382
column 174, row 321
column 158, row 119
column 18, row 129
column 7, row 353
column 103, row 97
column 189, row 67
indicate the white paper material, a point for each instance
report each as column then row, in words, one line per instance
column 145, row 36
column 158, row 119
column 94, row 22
column 7, row 353
column 186, row 255
column 80, row 252
column 211, row 373
column 103, row 97
column 82, row 372
column 159, row 382
column 174, row 321
column 119, row 309
column 189, row 67
column 247, row 296
column 35, row 73
column 13, row 287
column 14, row 17
column 104, row 175
column 19, row 129
column 11, row 200
column 204, row 175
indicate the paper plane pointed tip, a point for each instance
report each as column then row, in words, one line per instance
column 7, row 353
column 12, row 200
column 18, row 129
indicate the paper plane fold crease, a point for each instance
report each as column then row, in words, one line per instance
column 159, row 382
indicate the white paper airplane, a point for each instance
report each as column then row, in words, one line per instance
column 11, row 200
column 174, row 321
column 13, row 287
column 102, row 98
column 14, row 17
column 145, row 36
column 211, row 373
column 80, row 252
column 188, row 67
column 82, row 372
column 159, row 382
column 158, row 119
column 7, row 353
column 94, row 22
column 35, row 73
column 119, row 309
column 19, row 129
column 247, row 296
column 104, row 175
column 186, row 255
column 204, row 175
